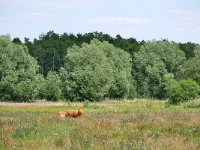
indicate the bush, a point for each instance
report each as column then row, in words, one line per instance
column 51, row 87
column 183, row 90
column 86, row 103
column 26, row 90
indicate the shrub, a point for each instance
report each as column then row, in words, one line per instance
column 86, row 103
column 51, row 87
column 183, row 90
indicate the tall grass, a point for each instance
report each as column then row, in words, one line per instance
column 108, row 125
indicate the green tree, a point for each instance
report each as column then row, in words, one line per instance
column 130, row 45
column 17, row 72
column 67, row 84
column 51, row 87
column 197, row 51
column 188, row 48
column 50, row 48
column 167, row 81
column 191, row 67
column 26, row 90
column 183, row 90
column 94, row 70
column 154, row 60
column 17, row 41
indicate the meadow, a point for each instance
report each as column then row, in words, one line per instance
column 107, row 125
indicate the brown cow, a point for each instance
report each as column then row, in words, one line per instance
column 72, row 113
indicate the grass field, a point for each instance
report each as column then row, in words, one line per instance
column 128, row 125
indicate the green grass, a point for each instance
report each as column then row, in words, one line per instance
column 192, row 104
column 106, row 125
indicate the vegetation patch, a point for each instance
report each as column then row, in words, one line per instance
column 123, row 125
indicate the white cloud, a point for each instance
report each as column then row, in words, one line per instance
column 186, row 15
column 32, row 16
column 186, row 21
column 198, row 29
column 117, row 20
column 175, row 11
column 35, row 16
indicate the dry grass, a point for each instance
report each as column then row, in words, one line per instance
column 105, row 125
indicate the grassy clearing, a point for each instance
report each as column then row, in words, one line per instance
column 105, row 125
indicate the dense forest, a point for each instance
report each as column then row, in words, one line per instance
column 95, row 66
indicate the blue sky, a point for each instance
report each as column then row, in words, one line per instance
column 177, row 20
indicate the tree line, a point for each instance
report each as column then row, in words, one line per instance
column 95, row 66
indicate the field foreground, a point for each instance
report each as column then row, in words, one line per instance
column 106, row 125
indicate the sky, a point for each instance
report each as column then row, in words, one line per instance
column 175, row 20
